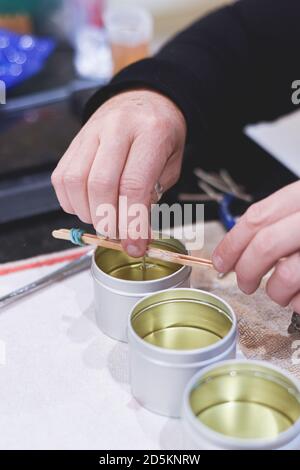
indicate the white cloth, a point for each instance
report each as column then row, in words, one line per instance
column 63, row 384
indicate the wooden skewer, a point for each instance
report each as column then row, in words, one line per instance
column 156, row 253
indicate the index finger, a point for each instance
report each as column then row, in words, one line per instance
column 261, row 214
column 144, row 166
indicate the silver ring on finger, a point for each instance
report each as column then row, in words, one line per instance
column 159, row 191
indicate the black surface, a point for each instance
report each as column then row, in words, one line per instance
column 26, row 196
column 33, row 138
column 259, row 172
column 36, row 138
column 24, row 152
column 32, row 142
column 31, row 237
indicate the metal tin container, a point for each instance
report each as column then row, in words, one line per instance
column 172, row 334
column 242, row 405
column 120, row 281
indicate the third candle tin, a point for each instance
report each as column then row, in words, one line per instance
column 242, row 404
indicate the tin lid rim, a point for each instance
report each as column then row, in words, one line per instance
column 139, row 286
column 208, row 352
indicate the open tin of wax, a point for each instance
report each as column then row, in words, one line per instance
column 242, row 405
column 120, row 281
column 173, row 334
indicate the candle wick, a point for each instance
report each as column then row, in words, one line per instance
column 144, row 268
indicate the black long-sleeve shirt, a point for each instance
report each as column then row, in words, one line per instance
column 233, row 67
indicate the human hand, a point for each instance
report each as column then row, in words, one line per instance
column 265, row 237
column 133, row 141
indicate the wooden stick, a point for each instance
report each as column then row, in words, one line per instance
column 156, row 253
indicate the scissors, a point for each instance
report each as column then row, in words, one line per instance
column 228, row 192
column 295, row 324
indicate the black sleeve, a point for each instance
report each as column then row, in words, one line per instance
column 231, row 68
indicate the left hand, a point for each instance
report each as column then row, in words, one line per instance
column 267, row 236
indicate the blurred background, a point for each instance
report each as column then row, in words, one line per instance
column 54, row 54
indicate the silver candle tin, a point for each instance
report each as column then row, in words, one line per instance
column 173, row 334
column 242, row 405
column 115, row 295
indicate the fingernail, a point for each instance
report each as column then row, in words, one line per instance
column 245, row 288
column 133, row 251
column 218, row 263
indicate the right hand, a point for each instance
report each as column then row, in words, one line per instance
column 133, row 141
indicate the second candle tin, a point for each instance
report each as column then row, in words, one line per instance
column 120, row 281
column 173, row 334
